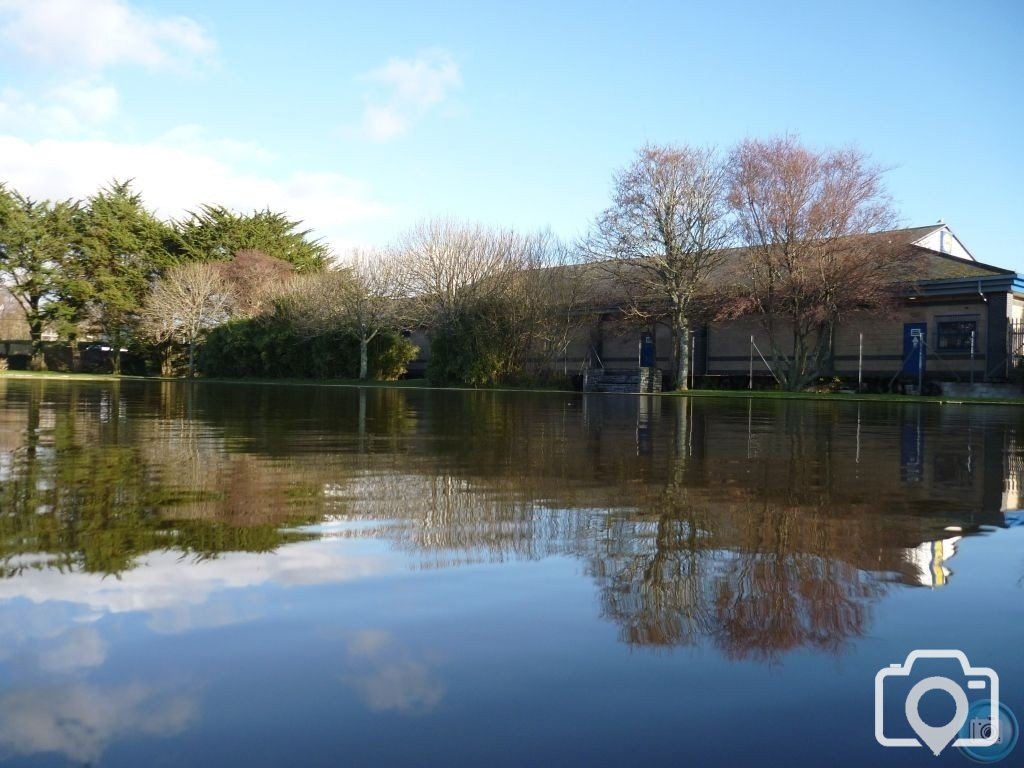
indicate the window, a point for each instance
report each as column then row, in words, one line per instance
column 955, row 335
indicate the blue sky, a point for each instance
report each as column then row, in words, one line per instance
column 363, row 118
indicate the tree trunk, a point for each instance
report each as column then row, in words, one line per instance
column 682, row 353
column 828, row 348
column 191, row 359
column 35, row 330
column 364, row 358
column 115, row 356
column 76, row 353
column 165, row 360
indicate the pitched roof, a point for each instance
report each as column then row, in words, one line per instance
column 943, row 266
column 920, row 265
column 908, row 235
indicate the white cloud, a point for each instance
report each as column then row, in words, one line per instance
column 422, row 81
column 194, row 138
column 96, row 34
column 93, row 103
column 413, row 86
column 183, row 169
column 71, row 108
column 81, row 720
column 161, row 583
column 382, row 123
column 79, row 648
column 389, row 678
column 402, row 685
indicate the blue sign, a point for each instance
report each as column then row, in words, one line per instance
column 915, row 349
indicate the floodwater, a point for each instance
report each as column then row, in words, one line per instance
column 277, row 575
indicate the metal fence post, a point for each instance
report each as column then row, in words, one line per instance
column 750, row 381
column 920, row 364
column 972, row 357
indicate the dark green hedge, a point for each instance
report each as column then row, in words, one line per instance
column 268, row 347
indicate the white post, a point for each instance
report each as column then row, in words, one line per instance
column 860, row 364
column 857, row 459
column 693, row 357
column 972, row 357
column 750, row 381
column 920, row 364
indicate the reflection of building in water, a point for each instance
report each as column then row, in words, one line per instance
column 759, row 526
column 1013, row 474
column 928, row 560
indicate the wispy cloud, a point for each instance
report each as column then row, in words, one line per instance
column 81, row 720
column 160, row 583
column 70, row 108
column 388, row 678
column 92, row 35
column 168, row 169
column 405, row 90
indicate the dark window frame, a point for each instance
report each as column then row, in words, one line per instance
column 953, row 335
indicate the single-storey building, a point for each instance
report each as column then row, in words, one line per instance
column 955, row 319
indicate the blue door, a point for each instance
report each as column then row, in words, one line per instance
column 647, row 350
column 915, row 350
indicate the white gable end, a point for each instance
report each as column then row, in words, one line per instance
column 943, row 240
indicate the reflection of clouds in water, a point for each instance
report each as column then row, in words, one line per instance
column 235, row 608
column 79, row 721
column 51, row 638
column 388, row 678
column 369, row 642
column 401, row 686
column 164, row 582
column 80, row 648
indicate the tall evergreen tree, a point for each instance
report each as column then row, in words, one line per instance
column 215, row 232
column 124, row 248
column 37, row 253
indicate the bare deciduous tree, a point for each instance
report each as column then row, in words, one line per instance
column 495, row 302
column 805, row 217
column 184, row 304
column 449, row 265
column 458, row 278
column 664, row 234
column 549, row 298
column 361, row 296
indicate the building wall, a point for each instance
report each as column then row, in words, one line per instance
column 615, row 343
column 13, row 326
column 1017, row 308
column 724, row 349
column 944, row 241
column 727, row 350
column 882, row 353
column 418, row 367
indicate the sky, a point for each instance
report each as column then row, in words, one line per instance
column 364, row 118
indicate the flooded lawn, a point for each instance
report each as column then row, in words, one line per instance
column 276, row 575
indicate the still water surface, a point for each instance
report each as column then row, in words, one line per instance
column 277, row 575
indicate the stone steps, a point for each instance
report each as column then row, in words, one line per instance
column 625, row 380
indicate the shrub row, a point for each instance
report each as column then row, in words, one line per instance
column 269, row 347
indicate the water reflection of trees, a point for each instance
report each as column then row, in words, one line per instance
column 759, row 529
column 87, row 488
column 783, row 547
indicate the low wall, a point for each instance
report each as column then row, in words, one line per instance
column 959, row 389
